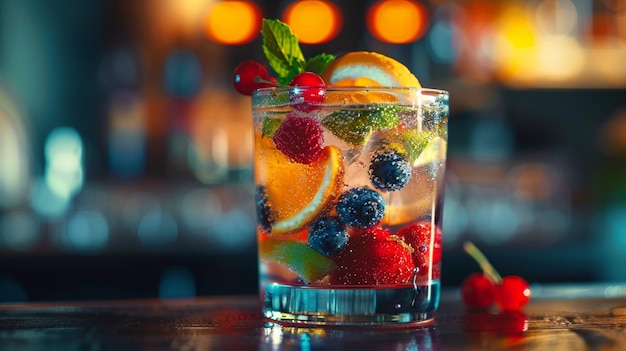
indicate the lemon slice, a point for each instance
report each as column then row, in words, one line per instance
column 297, row 193
column 435, row 150
column 368, row 69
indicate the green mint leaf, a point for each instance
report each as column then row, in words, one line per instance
column 270, row 125
column 318, row 64
column 355, row 126
column 281, row 49
column 293, row 71
column 351, row 126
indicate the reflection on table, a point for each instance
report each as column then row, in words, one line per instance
column 575, row 317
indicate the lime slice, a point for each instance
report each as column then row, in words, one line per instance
column 298, row 257
column 434, row 151
column 355, row 126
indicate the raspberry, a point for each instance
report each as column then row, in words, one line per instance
column 389, row 171
column 361, row 207
column 300, row 138
column 328, row 235
column 417, row 236
column 263, row 209
column 373, row 257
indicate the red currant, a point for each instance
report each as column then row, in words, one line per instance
column 512, row 293
column 249, row 76
column 477, row 291
column 309, row 89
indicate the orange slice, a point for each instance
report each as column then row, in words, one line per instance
column 368, row 69
column 297, row 193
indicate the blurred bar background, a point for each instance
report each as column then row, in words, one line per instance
column 126, row 155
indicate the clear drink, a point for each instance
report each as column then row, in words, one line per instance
column 349, row 196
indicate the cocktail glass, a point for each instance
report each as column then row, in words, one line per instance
column 349, row 197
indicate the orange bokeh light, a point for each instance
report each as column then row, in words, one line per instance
column 233, row 22
column 313, row 21
column 397, row 21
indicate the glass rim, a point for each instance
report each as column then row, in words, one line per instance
column 285, row 89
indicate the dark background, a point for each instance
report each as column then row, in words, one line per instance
column 161, row 202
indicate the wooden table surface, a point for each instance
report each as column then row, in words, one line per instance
column 571, row 318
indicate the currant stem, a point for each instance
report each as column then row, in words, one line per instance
column 482, row 261
column 258, row 79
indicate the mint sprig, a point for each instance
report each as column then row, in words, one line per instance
column 283, row 53
column 317, row 64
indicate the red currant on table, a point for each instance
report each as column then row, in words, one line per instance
column 512, row 293
column 251, row 75
column 310, row 89
column 477, row 291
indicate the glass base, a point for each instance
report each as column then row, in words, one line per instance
column 319, row 306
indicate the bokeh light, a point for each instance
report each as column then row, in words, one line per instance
column 233, row 22
column 126, row 135
column 183, row 74
column 15, row 162
column 86, row 231
column 442, row 34
column 397, row 21
column 157, row 228
column 64, row 173
column 313, row 21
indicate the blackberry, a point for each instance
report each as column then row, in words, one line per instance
column 263, row 213
column 361, row 207
column 389, row 171
column 328, row 235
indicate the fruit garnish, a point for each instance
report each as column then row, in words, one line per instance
column 301, row 138
column 368, row 69
column 270, row 125
column 249, row 76
column 355, row 126
column 434, row 151
column 418, row 237
column 373, row 257
column 361, row 207
column 298, row 257
column 477, row 291
column 283, row 53
column 409, row 142
column 310, row 91
column 511, row 293
column 328, row 235
column 297, row 193
column 389, row 171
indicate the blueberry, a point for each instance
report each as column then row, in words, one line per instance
column 263, row 214
column 328, row 235
column 361, row 207
column 389, row 171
